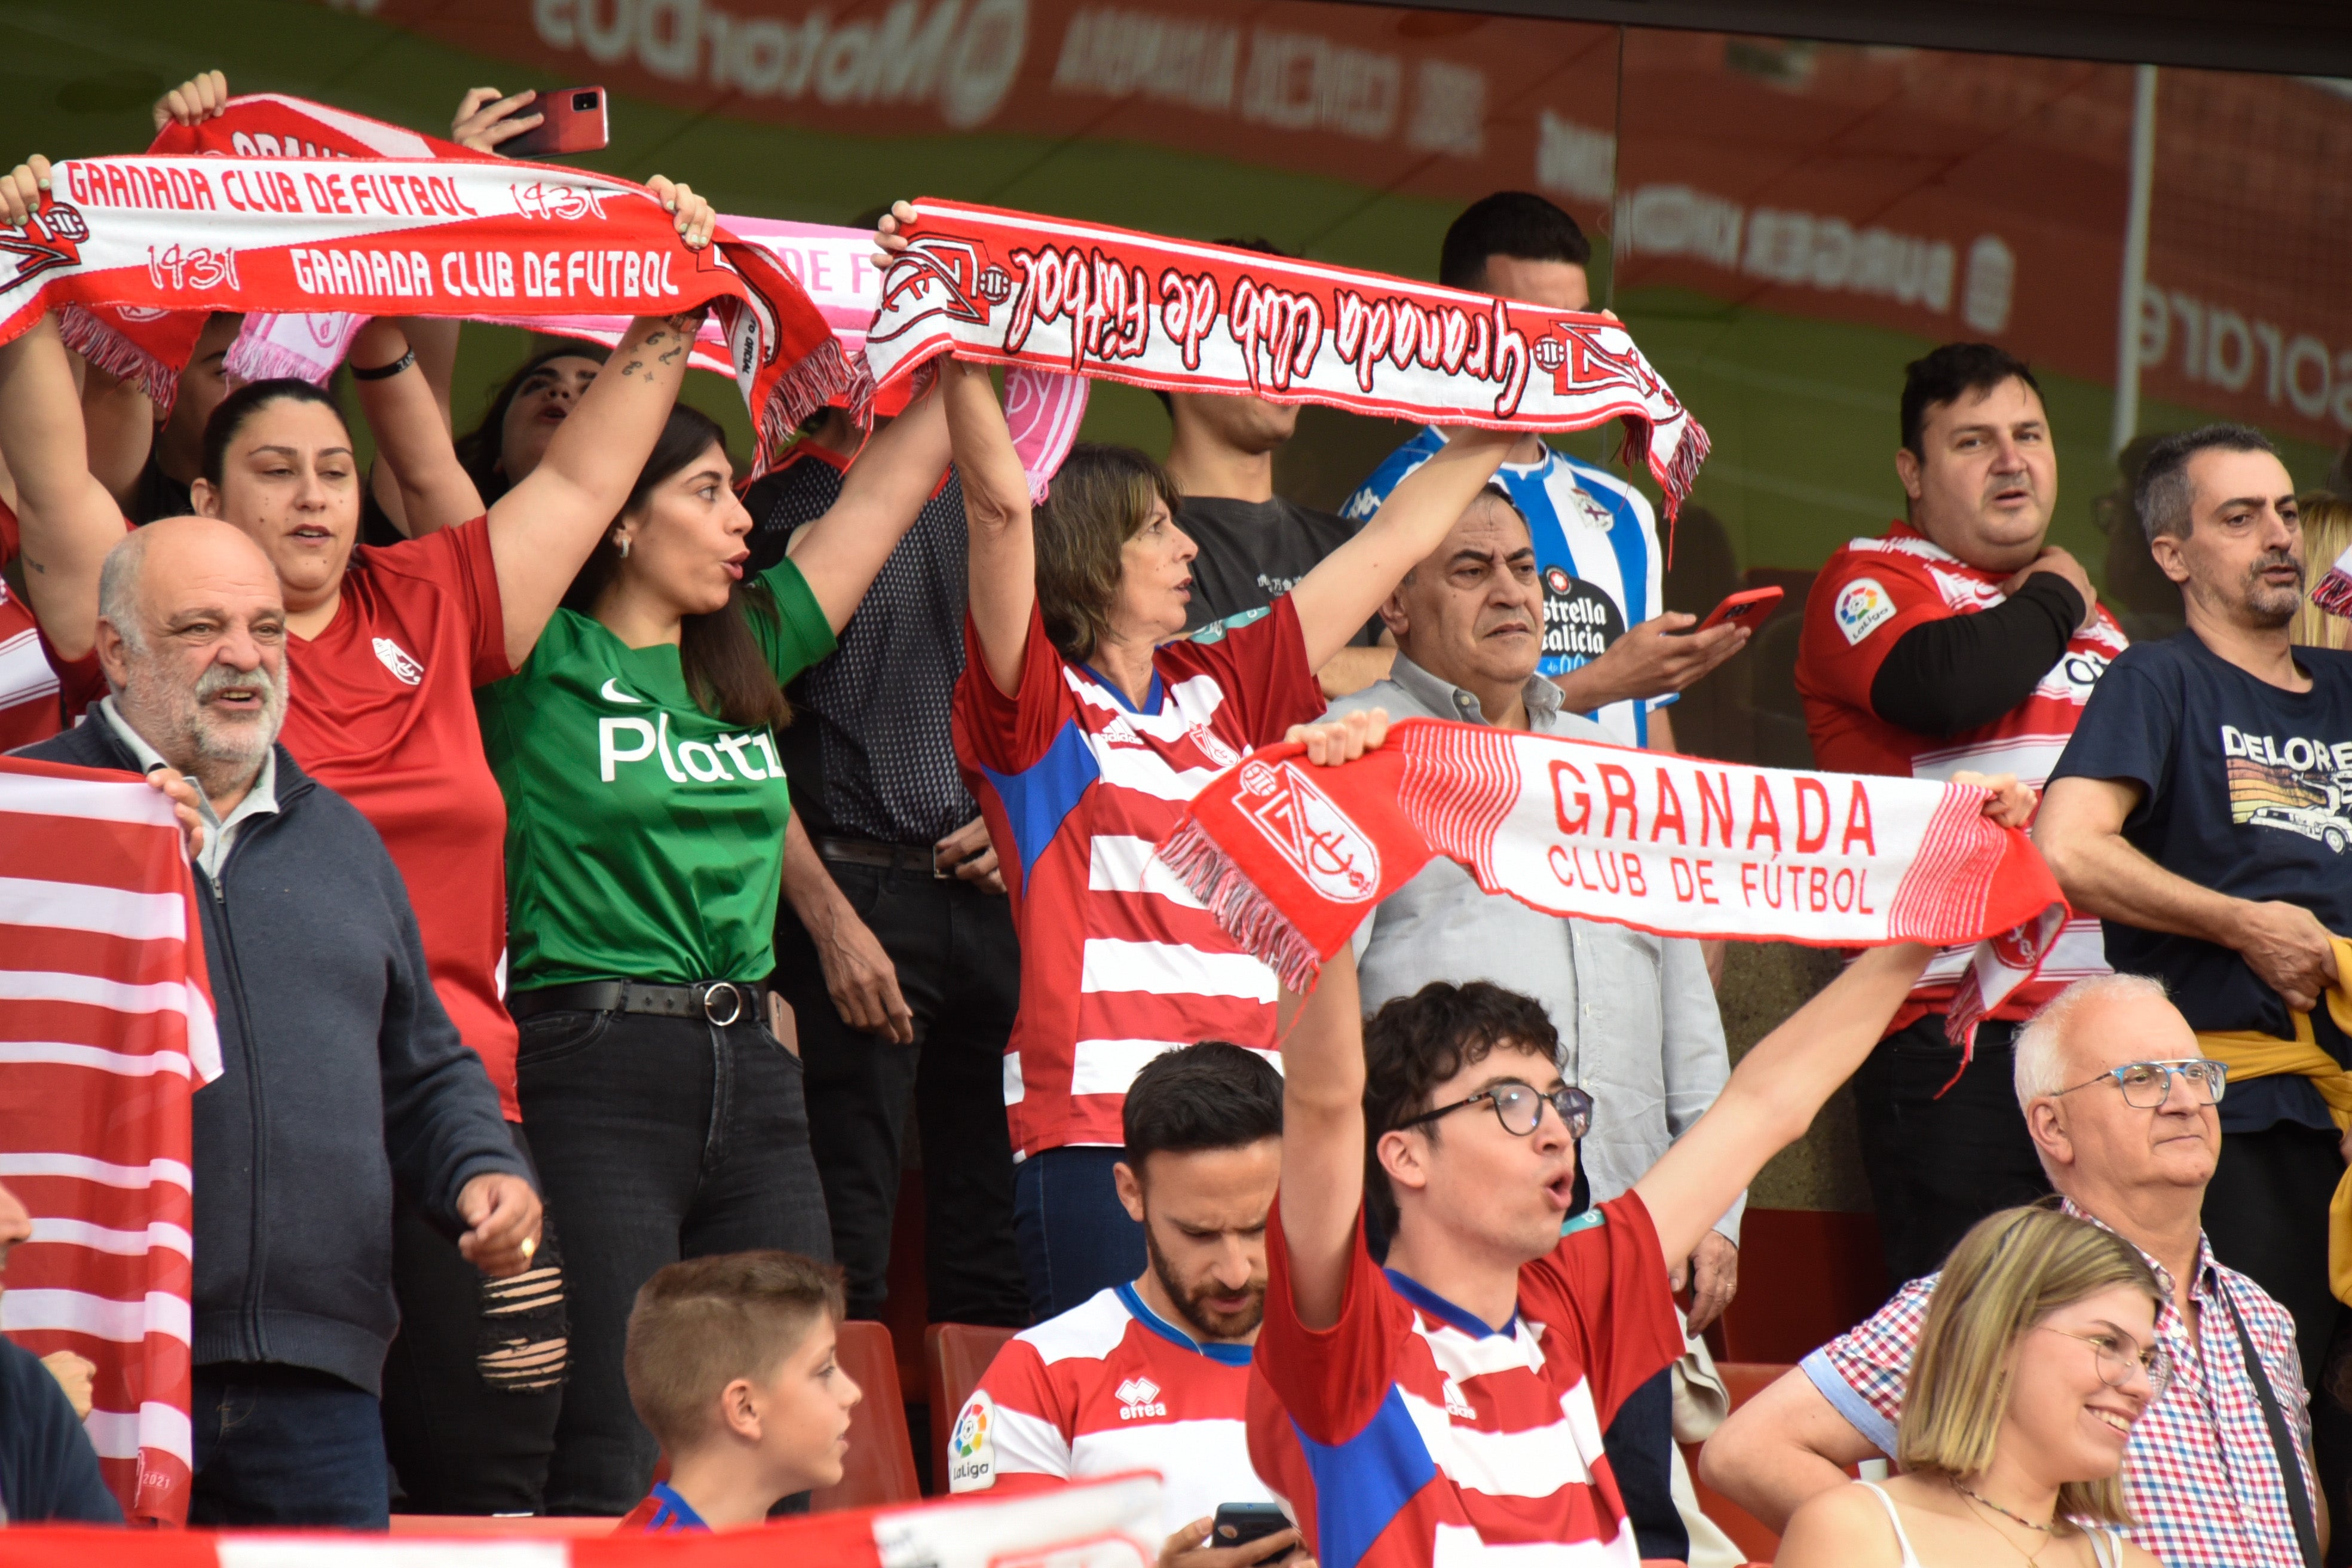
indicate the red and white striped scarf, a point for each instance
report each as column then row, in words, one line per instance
column 1290, row 859
column 284, row 206
column 1008, row 288
column 106, row 1032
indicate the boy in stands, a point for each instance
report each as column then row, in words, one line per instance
column 730, row 1366
column 1155, row 1374
column 1454, row 1401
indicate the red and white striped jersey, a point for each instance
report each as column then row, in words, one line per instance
column 1867, row 595
column 29, row 706
column 1410, row 1435
column 106, row 1031
column 1119, row 963
column 1109, row 1388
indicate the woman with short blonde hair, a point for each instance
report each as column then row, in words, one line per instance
column 2038, row 1355
column 2326, row 535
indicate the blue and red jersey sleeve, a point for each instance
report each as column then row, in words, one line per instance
column 1604, row 1299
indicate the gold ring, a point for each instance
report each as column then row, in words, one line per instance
column 530, row 1245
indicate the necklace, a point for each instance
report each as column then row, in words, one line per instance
column 2033, row 1559
column 2037, row 1529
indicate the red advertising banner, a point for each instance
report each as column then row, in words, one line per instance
column 1941, row 194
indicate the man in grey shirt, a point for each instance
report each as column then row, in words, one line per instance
column 1636, row 1015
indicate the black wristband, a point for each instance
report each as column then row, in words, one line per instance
column 384, row 371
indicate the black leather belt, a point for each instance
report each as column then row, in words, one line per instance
column 721, row 1002
column 882, row 857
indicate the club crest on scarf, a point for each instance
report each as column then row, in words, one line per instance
column 1337, row 857
column 50, row 240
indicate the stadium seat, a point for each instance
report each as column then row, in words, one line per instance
column 881, row 1463
column 955, row 1355
column 1743, row 1380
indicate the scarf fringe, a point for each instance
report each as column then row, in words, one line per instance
column 2333, row 594
column 262, row 360
column 1244, row 912
column 84, row 333
column 822, row 373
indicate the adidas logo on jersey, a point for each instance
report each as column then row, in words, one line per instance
column 1457, row 1404
column 1139, row 1400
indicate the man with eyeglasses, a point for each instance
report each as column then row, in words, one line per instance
column 2203, row 812
column 2122, row 1107
column 1638, row 1026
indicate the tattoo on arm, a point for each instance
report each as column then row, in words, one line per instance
column 670, row 357
column 634, row 366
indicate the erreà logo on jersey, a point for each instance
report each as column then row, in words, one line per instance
column 971, row 1446
column 1338, row 858
column 1139, row 1400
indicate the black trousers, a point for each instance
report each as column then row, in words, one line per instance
column 2266, row 1216
column 1940, row 1160
column 960, row 969
column 658, row 1139
column 474, row 1381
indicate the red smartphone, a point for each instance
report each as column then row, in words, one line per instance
column 575, row 122
column 1749, row 608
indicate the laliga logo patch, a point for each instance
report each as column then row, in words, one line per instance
column 971, row 1448
column 1862, row 606
column 1338, row 858
column 50, row 239
column 398, row 660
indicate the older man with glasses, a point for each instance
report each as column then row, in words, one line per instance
column 2121, row 1105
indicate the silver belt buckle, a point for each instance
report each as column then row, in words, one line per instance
column 734, row 1002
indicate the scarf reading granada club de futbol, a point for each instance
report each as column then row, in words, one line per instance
column 285, row 206
column 1008, row 288
column 1291, row 857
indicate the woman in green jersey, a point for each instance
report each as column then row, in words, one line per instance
column 645, row 832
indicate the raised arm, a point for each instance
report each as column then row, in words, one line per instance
column 411, row 427
column 996, row 504
column 66, row 518
column 432, row 340
column 543, row 528
column 1323, row 1139
column 884, row 493
column 1342, row 593
column 1773, row 1094
column 2080, row 832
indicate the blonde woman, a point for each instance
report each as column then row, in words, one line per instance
column 2326, row 533
column 2039, row 1353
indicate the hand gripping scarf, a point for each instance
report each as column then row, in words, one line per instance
column 1007, row 287
column 286, row 207
column 1291, row 857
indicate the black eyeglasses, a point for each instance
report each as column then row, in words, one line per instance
column 1519, row 1107
column 2148, row 1085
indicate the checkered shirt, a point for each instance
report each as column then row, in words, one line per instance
column 2200, row 1471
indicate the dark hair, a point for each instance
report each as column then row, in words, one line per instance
column 481, row 449
column 1516, row 223
column 1943, row 375
column 1415, row 1043
column 245, row 403
column 1209, row 1096
column 730, row 677
column 1258, row 243
column 2164, row 494
column 1101, row 498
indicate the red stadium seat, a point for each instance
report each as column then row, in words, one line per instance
column 1743, row 1380
column 955, row 1355
column 881, row 1463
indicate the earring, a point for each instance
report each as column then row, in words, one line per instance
column 622, row 541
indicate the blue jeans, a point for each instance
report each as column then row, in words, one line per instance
column 284, row 1446
column 1074, row 1234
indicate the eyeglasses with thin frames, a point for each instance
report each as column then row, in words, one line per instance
column 2148, row 1085
column 2119, row 1356
column 1519, row 1107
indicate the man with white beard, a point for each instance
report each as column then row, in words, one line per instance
column 342, row 1071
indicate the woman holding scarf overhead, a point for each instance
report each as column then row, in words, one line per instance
column 387, row 647
column 647, row 812
column 1083, row 721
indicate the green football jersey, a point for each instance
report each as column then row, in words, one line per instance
column 644, row 838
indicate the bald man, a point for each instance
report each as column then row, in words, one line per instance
column 2120, row 1104
column 330, row 1031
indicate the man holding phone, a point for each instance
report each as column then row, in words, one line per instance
column 1961, row 638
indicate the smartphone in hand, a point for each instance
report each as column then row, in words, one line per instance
column 575, row 121
column 1239, row 1523
column 1750, row 608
